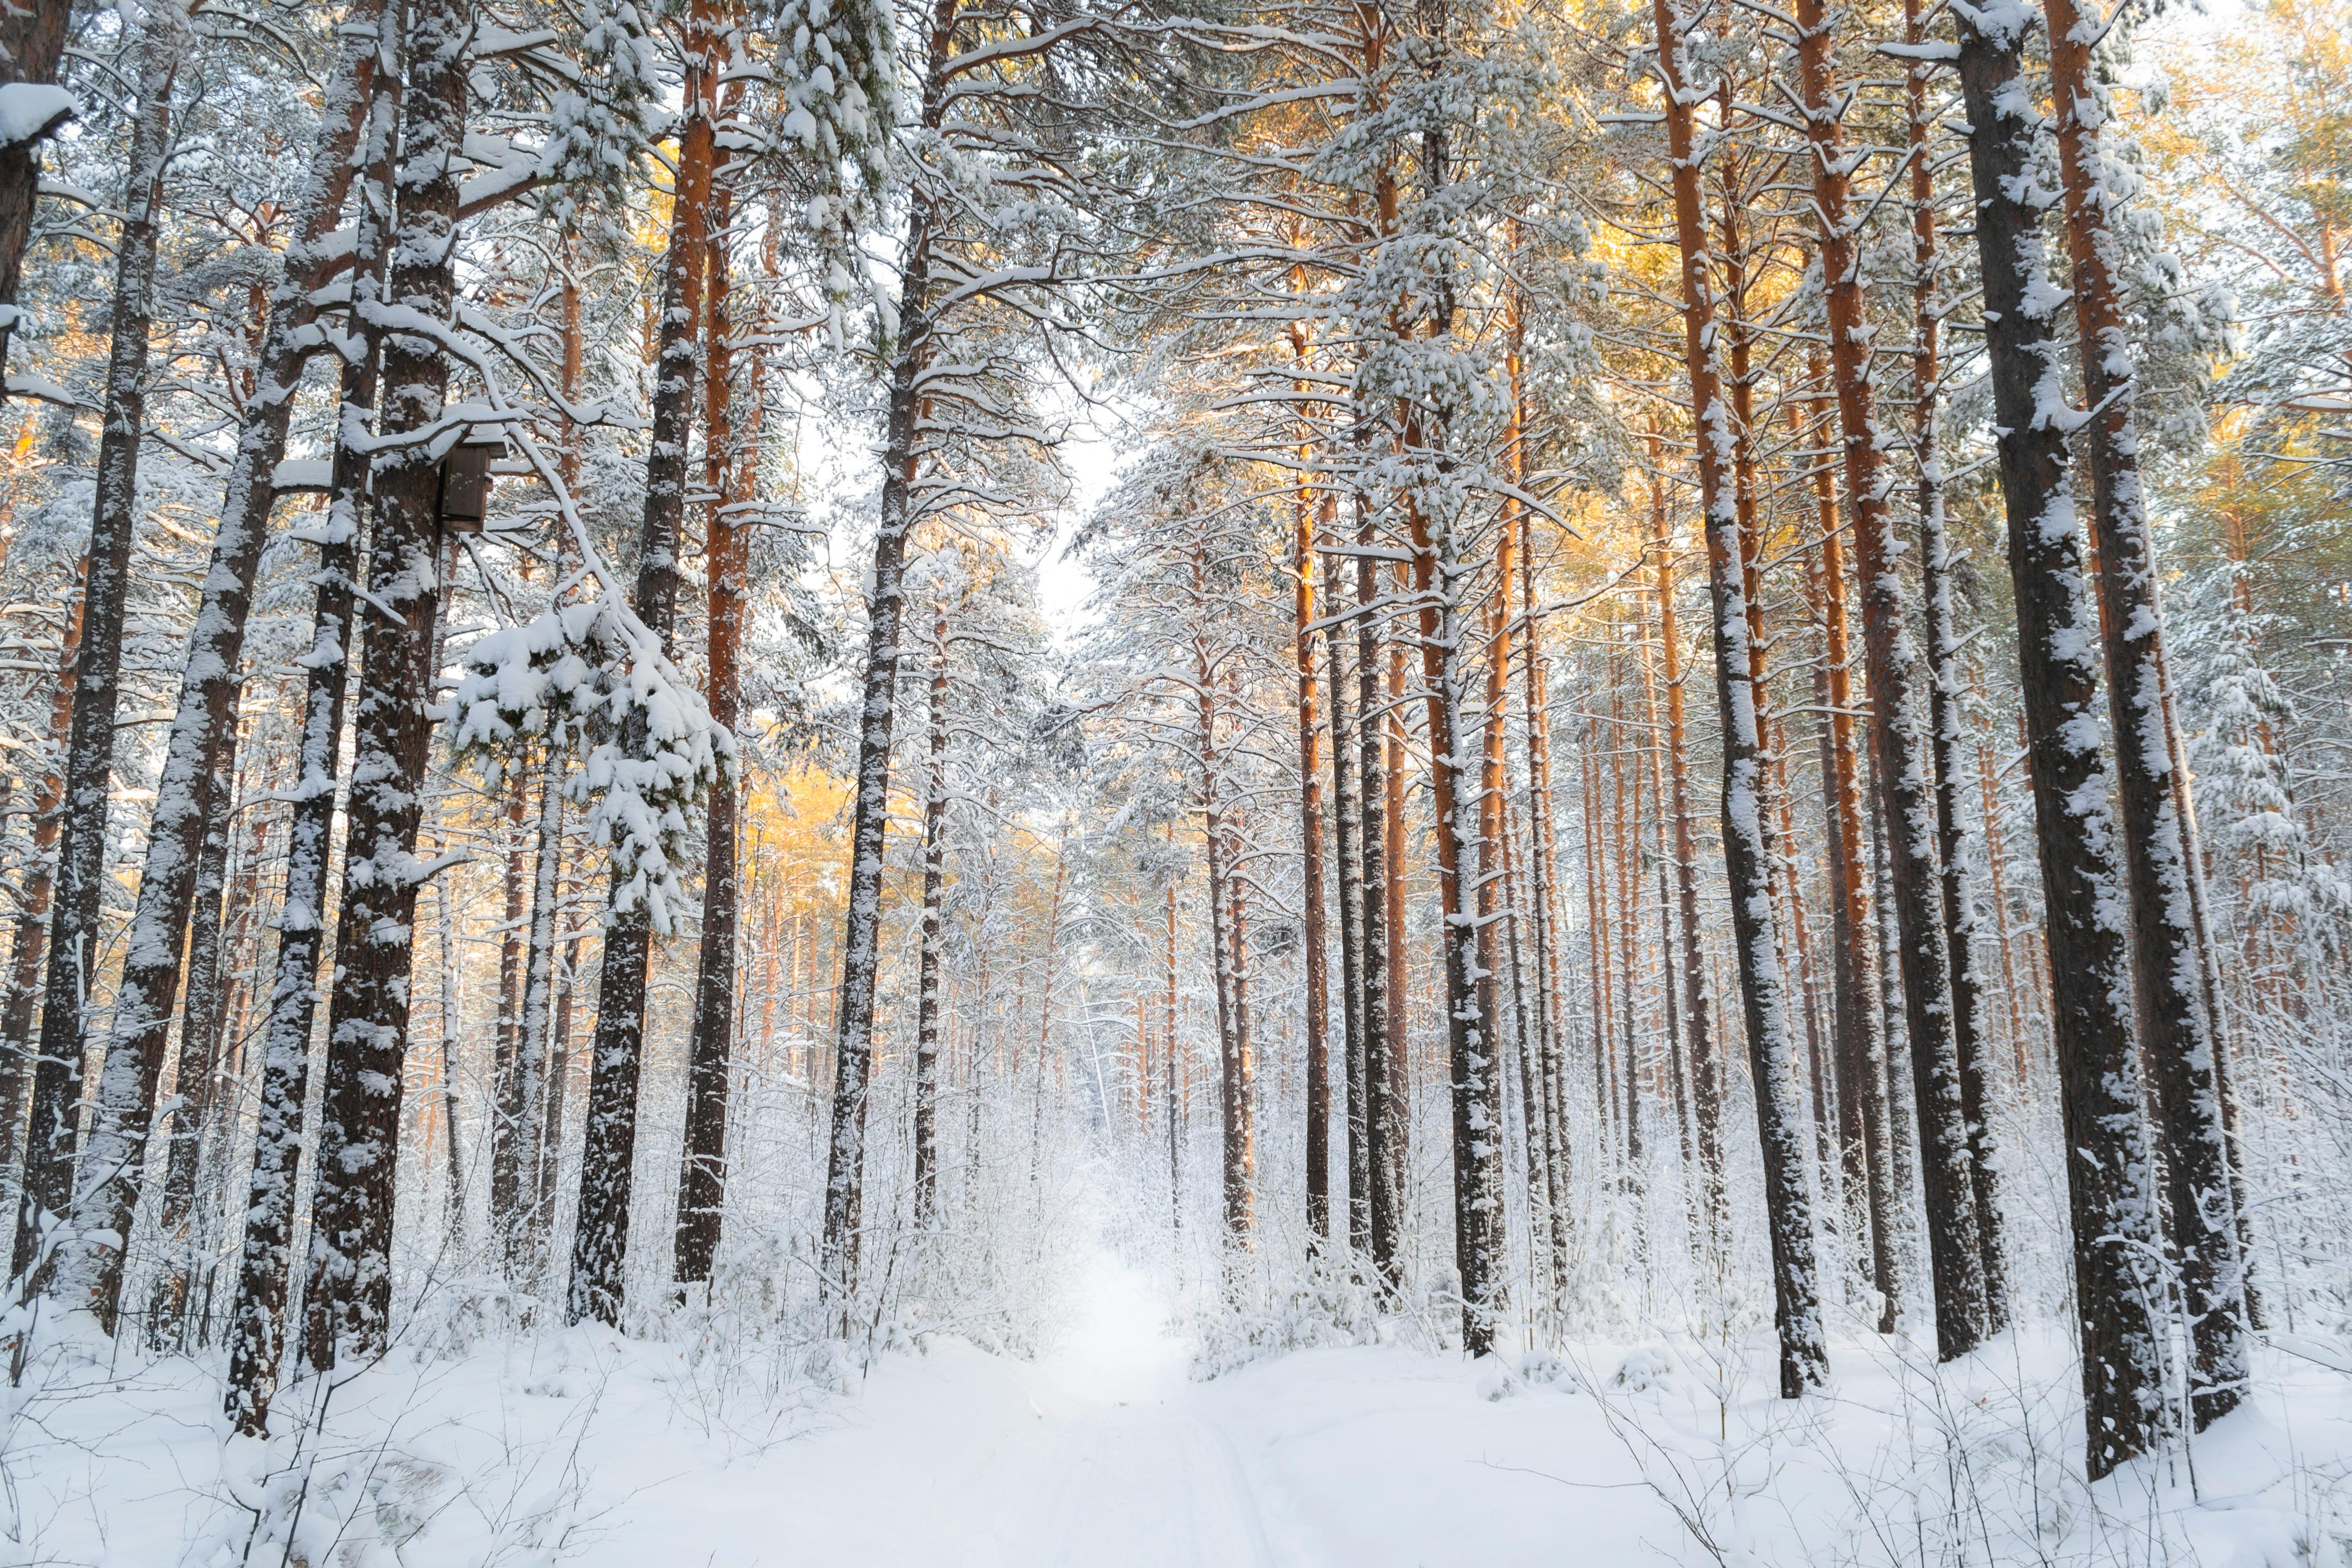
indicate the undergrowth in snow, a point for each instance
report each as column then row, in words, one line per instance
column 1312, row 1431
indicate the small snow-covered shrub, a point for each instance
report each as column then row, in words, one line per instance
column 1328, row 1306
column 1642, row 1371
column 1542, row 1369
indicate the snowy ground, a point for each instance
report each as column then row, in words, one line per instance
column 585, row 1448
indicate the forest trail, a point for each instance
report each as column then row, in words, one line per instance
column 1137, row 1473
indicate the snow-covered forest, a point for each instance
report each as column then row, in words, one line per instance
column 1113, row 781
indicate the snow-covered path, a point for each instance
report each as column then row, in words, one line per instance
column 586, row 1449
column 1146, row 1488
column 1136, row 1474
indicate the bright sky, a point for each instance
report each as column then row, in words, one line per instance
column 1063, row 582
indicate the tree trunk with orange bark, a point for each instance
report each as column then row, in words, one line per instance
column 710, row 1039
column 1804, row 1355
column 1905, row 769
column 2178, row 1036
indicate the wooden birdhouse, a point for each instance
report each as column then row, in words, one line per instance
column 465, row 481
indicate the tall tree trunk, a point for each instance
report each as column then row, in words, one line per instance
column 1472, row 1065
column 1944, row 642
column 1706, row 1074
column 1860, row 1046
column 505, row 1122
column 1239, row 1080
column 1542, row 864
column 927, row 1017
column 1310, row 831
column 1396, row 759
column 445, row 1098
column 1175, row 1113
column 1384, row 1105
column 1804, row 1356
column 1457, row 805
column 1601, row 987
column 1905, row 768
column 256, row 1326
column 600, row 1237
column 1233, row 1101
column 2012, row 991
column 186, row 802
column 1902, row 1118
column 1624, row 832
column 2169, row 956
column 869, row 827
column 1541, row 1193
column 198, row 1065
column 49, row 1182
column 2110, row 1188
column 711, row 1050
column 1800, row 952
column 526, row 1237
column 32, row 42
column 348, row 1303
column 1494, row 872
column 31, row 931
column 538, row 1051
column 1347, row 777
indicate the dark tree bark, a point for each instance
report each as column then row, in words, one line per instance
column 1473, row 1059
column 198, row 1062
column 1905, row 767
column 1804, row 1356
column 1490, row 900
column 34, row 898
column 506, row 1063
column 1384, row 1103
column 1599, row 987
column 2110, row 1187
column 1944, row 642
column 32, row 42
column 1859, row 1049
column 1399, row 758
column 927, row 1011
column 187, row 802
column 1240, row 1082
column 526, row 1236
column 1542, row 861
column 903, row 439
column 600, row 1237
column 1472, row 1049
column 1624, row 832
column 50, row 1179
column 1226, row 948
column 1310, row 837
column 1347, row 779
column 711, row 1050
column 348, row 1300
column 256, row 1324
column 2169, row 952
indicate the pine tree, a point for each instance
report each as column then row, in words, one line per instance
column 1900, row 749
column 52, row 1180
column 2109, row 1183
column 1804, row 1357
column 348, row 1298
column 2177, row 1030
